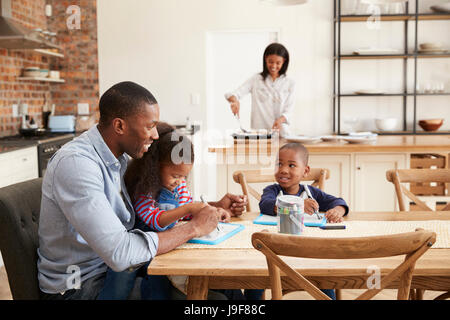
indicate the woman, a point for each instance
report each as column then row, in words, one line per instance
column 272, row 92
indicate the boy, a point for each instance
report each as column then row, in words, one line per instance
column 292, row 167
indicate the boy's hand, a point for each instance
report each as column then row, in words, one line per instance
column 311, row 206
column 335, row 215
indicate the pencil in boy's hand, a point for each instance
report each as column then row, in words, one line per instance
column 311, row 197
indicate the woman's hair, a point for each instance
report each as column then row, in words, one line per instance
column 279, row 50
column 143, row 175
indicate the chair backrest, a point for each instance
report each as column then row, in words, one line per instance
column 244, row 178
column 400, row 176
column 411, row 244
column 19, row 217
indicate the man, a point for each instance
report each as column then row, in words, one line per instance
column 87, row 217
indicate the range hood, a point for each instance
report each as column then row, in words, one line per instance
column 15, row 36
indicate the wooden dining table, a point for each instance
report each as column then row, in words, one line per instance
column 246, row 268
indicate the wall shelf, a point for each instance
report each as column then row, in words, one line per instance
column 50, row 53
column 409, row 108
column 41, row 79
column 395, row 17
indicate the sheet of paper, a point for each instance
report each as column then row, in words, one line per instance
column 308, row 220
column 221, row 233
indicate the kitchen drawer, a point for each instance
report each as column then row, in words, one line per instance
column 17, row 166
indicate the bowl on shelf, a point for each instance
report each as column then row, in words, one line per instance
column 430, row 45
column 386, row 124
column 431, row 124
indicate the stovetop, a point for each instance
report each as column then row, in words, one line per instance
column 20, row 140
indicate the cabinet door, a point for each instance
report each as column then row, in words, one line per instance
column 18, row 166
column 338, row 184
column 372, row 191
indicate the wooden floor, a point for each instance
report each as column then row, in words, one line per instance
column 5, row 293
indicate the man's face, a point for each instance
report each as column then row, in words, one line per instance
column 141, row 131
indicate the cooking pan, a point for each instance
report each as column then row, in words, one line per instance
column 32, row 132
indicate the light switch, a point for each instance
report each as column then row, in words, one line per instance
column 83, row 108
column 23, row 108
column 195, row 99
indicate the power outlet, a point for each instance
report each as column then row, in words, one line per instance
column 15, row 110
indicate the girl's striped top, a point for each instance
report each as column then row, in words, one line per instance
column 148, row 211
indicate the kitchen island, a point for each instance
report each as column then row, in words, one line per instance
column 357, row 171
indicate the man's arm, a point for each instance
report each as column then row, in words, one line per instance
column 78, row 189
column 201, row 224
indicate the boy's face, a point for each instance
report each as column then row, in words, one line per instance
column 172, row 175
column 291, row 169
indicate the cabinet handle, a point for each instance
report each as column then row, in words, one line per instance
column 358, row 168
column 25, row 159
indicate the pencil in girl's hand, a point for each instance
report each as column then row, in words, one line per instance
column 203, row 198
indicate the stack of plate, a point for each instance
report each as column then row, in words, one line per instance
column 302, row 139
column 361, row 137
column 430, row 47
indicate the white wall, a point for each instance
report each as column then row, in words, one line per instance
column 161, row 44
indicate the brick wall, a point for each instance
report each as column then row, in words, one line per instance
column 80, row 64
column 28, row 13
column 79, row 67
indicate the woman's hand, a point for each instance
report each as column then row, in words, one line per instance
column 335, row 215
column 234, row 104
column 277, row 124
column 310, row 206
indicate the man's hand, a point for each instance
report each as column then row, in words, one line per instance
column 335, row 215
column 235, row 204
column 205, row 221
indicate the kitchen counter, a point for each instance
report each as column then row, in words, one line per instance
column 12, row 143
column 401, row 143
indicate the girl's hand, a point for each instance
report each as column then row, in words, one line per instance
column 223, row 215
column 335, row 215
column 311, row 206
column 195, row 207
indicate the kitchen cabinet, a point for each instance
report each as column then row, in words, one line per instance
column 372, row 191
column 339, row 183
column 17, row 166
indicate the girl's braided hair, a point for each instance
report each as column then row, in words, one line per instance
column 143, row 175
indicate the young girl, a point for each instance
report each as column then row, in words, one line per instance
column 272, row 92
column 157, row 185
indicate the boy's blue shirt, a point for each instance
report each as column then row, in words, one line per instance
column 325, row 200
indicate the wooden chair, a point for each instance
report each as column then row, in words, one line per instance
column 244, row 178
column 273, row 245
column 400, row 176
